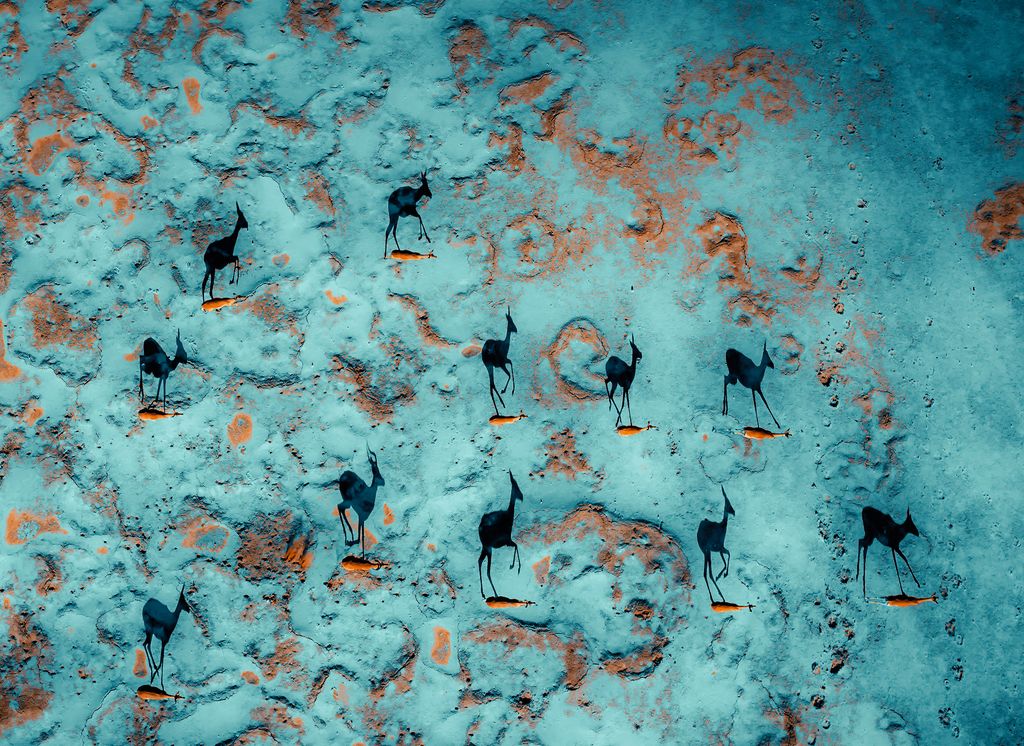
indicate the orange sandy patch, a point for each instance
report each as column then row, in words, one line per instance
column 318, row 191
column 280, row 260
column 141, row 668
column 205, row 536
column 426, row 330
column 240, row 429
column 22, row 700
column 389, row 515
column 20, row 522
column 191, row 88
column 563, row 458
column 997, row 220
column 441, row 652
column 471, row 350
column 148, row 122
column 468, row 46
column 250, row 677
column 541, row 568
column 54, row 324
column 44, row 150
column 8, row 372
column 566, row 390
column 335, row 299
column 31, row 414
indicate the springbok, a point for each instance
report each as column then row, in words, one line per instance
column 743, row 369
column 495, row 355
column 711, row 538
column 221, row 253
column 618, row 373
column 881, row 526
column 362, row 498
column 159, row 621
column 495, row 532
column 402, row 203
column 155, row 362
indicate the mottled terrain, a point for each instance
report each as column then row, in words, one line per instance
column 844, row 181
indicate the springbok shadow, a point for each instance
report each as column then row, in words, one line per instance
column 495, row 355
column 155, row 362
column 619, row 373
column 495, row 532
column 711, row 538
column 159, row 621
column 881, row 526
column 745, row 371
column 362, row 498
column 221, row 253
column 401, row 204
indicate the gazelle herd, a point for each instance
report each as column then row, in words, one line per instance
column 496, row 527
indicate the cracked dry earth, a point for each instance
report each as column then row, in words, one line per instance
column 844, row 181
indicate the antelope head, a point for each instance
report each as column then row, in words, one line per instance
column 516, row 492
column 179, row 353
column 372, row 458
column 242, row 222
column 766, row 361
column 508, row 318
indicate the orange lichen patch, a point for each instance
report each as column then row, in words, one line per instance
column 471, row 350
column 389, row 515
column 15, row 46
column 202, row 535
column 31, row 414
column 280, row 260
column 335, row 299
column 541, row 568
column 250, row 677
column 44, row 150
column 273, row 547
column 318, row 191
column 526, row 91
column 23, row 526
column 766, row 81
column 620, row 539
column 120, row 203
column 789, row 719
column 427, row 332
column 53, row 324
column 512, row 636
column 102, row 550
column 51, row 579
column 563, row 458
column 722, row 237
column 240, row 429
column 374, row 393
column 1010, row 132
column 268, row 309
column 468, row 46
column 567, row 390
column 998, row 220
column 148, row 122
column 82, row 200
column 191, row 88
column 26, row 654
column 441, row 652
column 141, row 668
column 8, row 372
column 17, row 219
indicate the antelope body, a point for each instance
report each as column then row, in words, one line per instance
column 881, row 526
column 619, row 373
column 711, row 538
column 495, row 355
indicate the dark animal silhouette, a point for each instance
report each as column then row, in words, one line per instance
column 881, row 526
column 155, row 362
column 221, row 253
column 496, row 531
column 402, row 203
column 743, row 369
column 618, row 373
column 359, row 496
column 711, row 538
column 159, row 621
column 495, row 355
